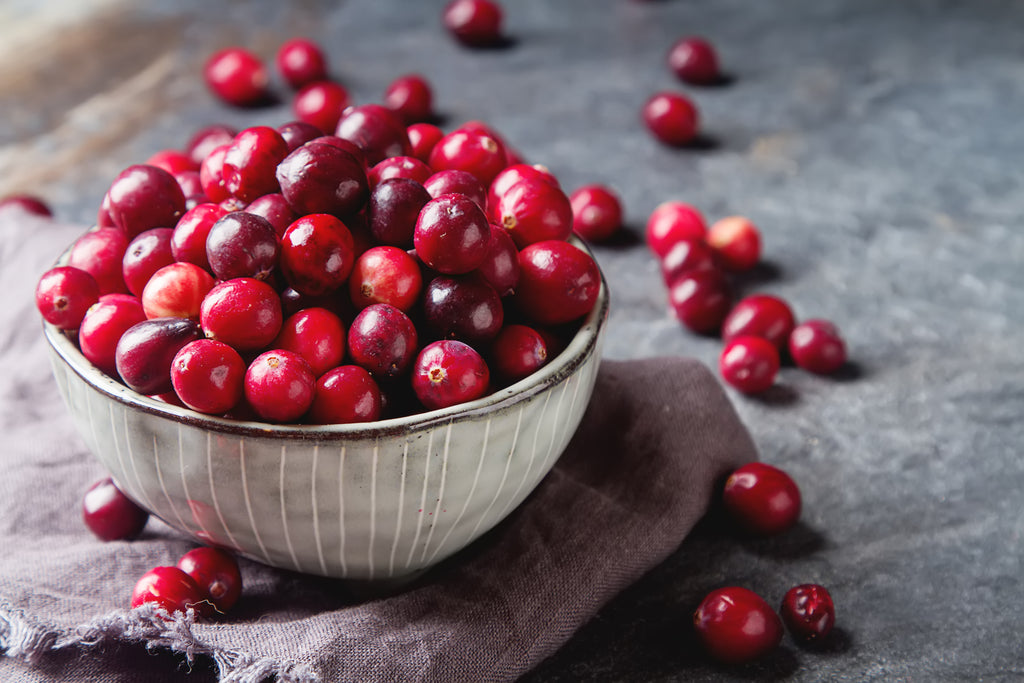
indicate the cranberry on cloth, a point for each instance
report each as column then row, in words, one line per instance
column 637, row 476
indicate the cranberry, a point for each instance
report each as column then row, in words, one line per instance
column 317, row 254
column 534, row 211
column 26, row 203
column 471, row 151
column 191, row 184
column 454, row 181
column 147, row 253
column 671, row 118
column 292, row 302
column 317, row 335
column 736, row 625
column 237, row 76
column 379, row 131
column 671, row 222
column 323, row 178
column 243, row 312
column 216, row 573
column 422, row 138
column 344, row 395
column 475, row 23
column 111, row 515
column 64, row 294
column 101, row 254
column 394, row 207
column 297, row 133
column 176, row 290
column 173, row 161
column 500, row 267
column 211, row 174
column 103, row 217
column 558, row 282
column 596, row 212
column 736, row 242
column 207, row 376
column 145, row 352
column 321, row 104
column 280, row 385
column 188, row 243
column 760, row 315
column 301, row 62
column 207, row 139
column 383, row 340
column 385, row 275
column 762, row 499
column 399, row 167
column 273, row 207
column 686, row 255
column 511, row 175
column 449, row 372
column 102, row 327
column 410, row 97
column 701, row 299
column 452, row 234
column 517, row 352
column 250, row 163
column 817, row 346
column 171, row 589
column 693, row 60
column 808, row 612
column 463, row 307
column 242, row 244
column 346, row 146
column 749, row 363
column 144, row 197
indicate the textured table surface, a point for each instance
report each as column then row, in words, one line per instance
column 876, row 144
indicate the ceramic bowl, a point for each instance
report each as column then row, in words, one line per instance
column 381, row 500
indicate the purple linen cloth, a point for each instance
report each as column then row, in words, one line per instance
column 635, row 479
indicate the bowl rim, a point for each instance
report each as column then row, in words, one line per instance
column 582, row 345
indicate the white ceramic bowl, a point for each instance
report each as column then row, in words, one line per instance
column 374, row 501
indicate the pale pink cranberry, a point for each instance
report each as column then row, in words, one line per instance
column 736, row 242
column 301, row 62
column 596, row 211
column 316, row 334
column 101, row 254
column 237, row 76
column 102, row 327
column 216, row 573
column 385, row 275
column 321, row 104
column 558, row 282
column 345, row 395
column 64, row 295
column 176, row 290
column 449, row 372
column 207, row 375
column 280, row 386
column 817, row 346
column 244, row 313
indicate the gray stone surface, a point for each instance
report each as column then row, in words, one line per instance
column 878, row 146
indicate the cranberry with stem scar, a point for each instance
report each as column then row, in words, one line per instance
column 383, row 340
column 170, row 588
column 102, row 327
column 817, row 346
column 452, row 234
column 176, row 290
column 517, row 352
column 301, row 62
column 736, row 242
column 111, row 515
column 671, row 118
column 243, row 312
column 321, row 104
column 700, row 299
column 760, row 315
column 511, row 175
column 317, row 254
column 386, row 275
column 216, row 573
column 534, row 211
column 736, row 625
column 237, row 76
column 280, row 386
column 64, row 295
column 145, row 352
column 344, row 395
column 316, row 334
column 764, row 500
column 749, row 363
column 449, row 372
column 558, row 282
column 207, row 375
column 808, row 612
column 471, row 151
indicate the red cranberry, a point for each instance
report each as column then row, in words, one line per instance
column 558, row 282
column 344, row 395
column 64, row 294
column 237, row 76
column 410, row 97
column 145, row 352
column 399, row 167
column 101, row 254
column 471, row 151
column 346, row 146
column 475, row 23
column 26, row 203
column 147, row 253
column 216, row 573
column 760, row 315
column 383, row 340
column 385, row 275
column 301, row 62
column 508, row 177
column 250, row 163
column 686, row 255
column 596, row 212
column 449, row 372
column 102, row 327
column 736, row 242
column 280, row 385
column 394, row 207
column 211, row 174
column 535, row 211
column 188, row 243
column 103, row 217
column 207, row 139
column 173, row 161
column 273, row 207
column 454, row 181
column 701, row 299
column 207, row 375
column 817, row 346
column 321, row 104
column 762, row 499
column 671, row 222
column 736, row 625
column 500, row 267
column 242, row 244
column 243, row 312
column 191, row 184
column 693, row 60
column 323, row 178
column 176, row 290
column 144, row 197
column 111, row 515
column 379, row 131
column 317, row 254
column 422, row 138
column 808, row 612
column 171, row 589
column 317, row 335
column 749, row 363
column 671, row 118
column 462, row 307
column 297, row 133
column 517, row 352
column 452, row 234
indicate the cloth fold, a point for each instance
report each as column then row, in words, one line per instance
column 637, row 476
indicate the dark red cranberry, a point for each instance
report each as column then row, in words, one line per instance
column 345, row 146
column 317, row 254
column 701, row 299
column 171, row 589
column 102, row 327
column 558, row 282
column 808, row 612
column 422, row 138
column 250, row 163
column 344, row 395
column 292, row 302
column 476, row 23
column 471, row 151
column 817, row 346
column 188, row 243
column 244, row 313
column 399, row 167
column 301, row 62
column 510, row 176
column 379, row 131
column 242, row 244
column 686, row 255
column 280, row 386
column 146, row 349
column 173, row 161
column 273, row 207
column 207, row 375
column 101, row 254
column 64, row 294
column 323, row 178
column 449, row 372
column 762, row 499
column 410, row 97
column 693, row 60
column 735, row 625
column 394, row 207
column 176, row 290
column 237, row 76
column 383, row 340
column 454, row 181
column 671, row 118
column 385, row 275
column 760, row 315
column 749, row 363
column 211, row 174
column 321, row 104
column 596, row 212
column 462, row 307
column 317, row 335
column 207, row 139
column 500, row 267
column 736, row 243
column 297, row 133
column 517, row 352
column 534, row 211
column 25, row 203
column 216, row 573
column 111, row 515
column 452, row 234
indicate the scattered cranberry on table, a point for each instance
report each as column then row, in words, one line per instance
column 736, row 241
column 817, row 346
column 237, row 76
column 749, row 363
column 693, row 60
column 808, row 612
column 672, row 118
column 735, row 625
column 110, row 514
column 762, row 499
column 475, row 23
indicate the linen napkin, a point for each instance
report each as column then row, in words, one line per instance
column 639, row 473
